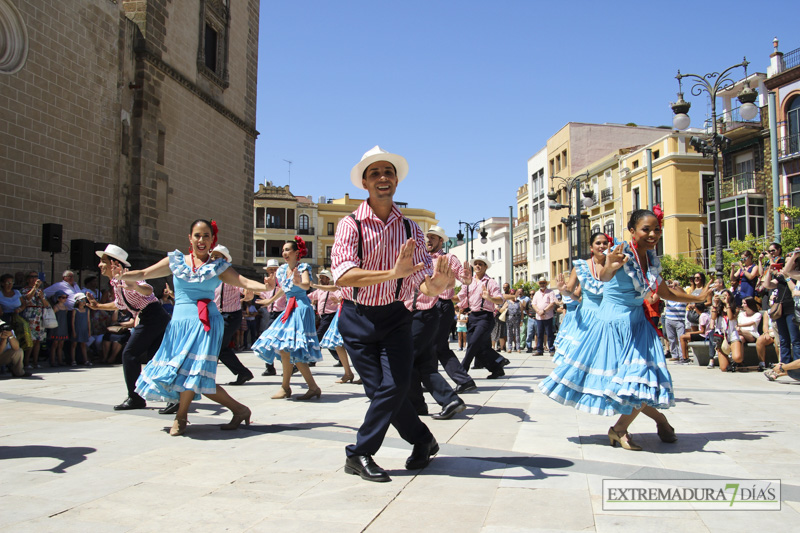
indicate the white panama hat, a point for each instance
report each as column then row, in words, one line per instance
column 271, row 263
column 224, row 251
column 378, row 154
column 114, row 252
column 482, row 259
column 438, row 231
column 326, row 273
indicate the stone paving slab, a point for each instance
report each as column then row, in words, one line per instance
column 514, row 461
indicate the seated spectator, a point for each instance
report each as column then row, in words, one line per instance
column 749, row 320
column 702, row 332
column 12, row 305
column 35, row 304
column 68, row 286
column 10, row 352
column 728, row 344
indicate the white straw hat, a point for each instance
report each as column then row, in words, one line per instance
column 271, row 263
column 482, row 259
column 436, row 230
column 378, row 154
column 114, row 252
column 224, row 251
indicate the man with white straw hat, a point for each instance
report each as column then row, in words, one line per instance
column 272, row 303
column 435, row 238
column 378, row 261
column 481, row 295
column 151, row 320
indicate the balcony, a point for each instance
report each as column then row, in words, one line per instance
column 791, row 59
column 305, row 231
column 607, row 194
column 743, row 182
column 520, row 259
column 789, row 147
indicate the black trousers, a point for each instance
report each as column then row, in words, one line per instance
column 479, row 339
column 378, row 340
column 449, row 361
column 233, row 322
column 143, row 344
column 325, row 322
column 424, row 327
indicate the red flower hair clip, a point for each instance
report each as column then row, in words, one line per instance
column 214, row 231
column 301, row 246
column 659, row 214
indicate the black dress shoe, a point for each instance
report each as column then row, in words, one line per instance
column 170, row 409
column 270, row 371
column 469, row 386
column 364, row 466
column 421, row 455
column 241, row 379
column 129, row 404
column 529, row 350
column 450, row 410
column 499, row 373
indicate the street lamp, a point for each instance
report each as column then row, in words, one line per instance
column 578, row 219
column 712, row 83
column 471, row 227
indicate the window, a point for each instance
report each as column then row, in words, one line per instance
column 564, row 159
column 636, row 201
column 558, row 163
column 792, row 144
column 499, row 254
column 739, row 216
column 636, row 164
column 162, row 141
column 330, row 228
column 559, row 234
column 552, row 168
column 261, row 214
column 212, row 57
column 303, row 223
column 492, row 255
column 608, row 228
column 310, row 248
column 260, row 248
column 744, row 176
column 595, row 229
column 656, row 154
column 274, row 248
column 657, row 193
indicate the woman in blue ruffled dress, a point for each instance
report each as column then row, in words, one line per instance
column 619, row 366
column 185, row 365
column 586, row 291
column 293, row 335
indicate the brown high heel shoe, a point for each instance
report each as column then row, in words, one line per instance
column 666, row 432
column 178, row 426
column 238, row 418
column 347, row 378
column 310, row 394
column 284, row 394
column 625, row 440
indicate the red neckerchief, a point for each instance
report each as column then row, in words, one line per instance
column 291, row 303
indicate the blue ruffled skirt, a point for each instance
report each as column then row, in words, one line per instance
column 610, row 367
column 332, row 339
column 297, row 336
column 186, row 359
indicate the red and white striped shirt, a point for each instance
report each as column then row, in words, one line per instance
column 228, row 298
column 455, row 266
column 474, row 291
column 326, row 302
column 422, row 303
column 277, row 305
column 381, row 246
column 136, row 299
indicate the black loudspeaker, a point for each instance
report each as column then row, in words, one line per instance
column 51, row 238
column 81, row 254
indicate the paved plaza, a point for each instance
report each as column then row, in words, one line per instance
column 513, row 461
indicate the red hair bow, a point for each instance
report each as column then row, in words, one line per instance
column 214, row 231
column 301, row 246
column 659, row 214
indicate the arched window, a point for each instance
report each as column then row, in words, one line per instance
column 303, row 222
column 595, row 229
column 609, row 228
column 793, row 126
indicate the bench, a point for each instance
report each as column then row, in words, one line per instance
column 700, row 350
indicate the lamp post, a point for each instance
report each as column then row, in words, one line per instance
column 712, row 83
column 470, row 228
column 570, row 185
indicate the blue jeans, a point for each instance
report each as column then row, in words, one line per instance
column 544, row 327
column 531, row 332
column 790, row 335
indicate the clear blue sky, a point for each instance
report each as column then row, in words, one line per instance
column 467, row 91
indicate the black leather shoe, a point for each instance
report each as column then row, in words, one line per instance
column 529, row 350
column 129, row 404
column 499, row 373
column 241, row 379
column 421, row 455
column 450, row 410
column 469, row 386
column 170, row 409
column 364, row 466
column 270, row 371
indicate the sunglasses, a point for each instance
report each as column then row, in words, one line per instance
column 772, row 251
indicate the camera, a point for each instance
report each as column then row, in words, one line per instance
column 5, row 327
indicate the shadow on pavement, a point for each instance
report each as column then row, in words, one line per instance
column 687, row 442
column 480, row 467
column 69, row 456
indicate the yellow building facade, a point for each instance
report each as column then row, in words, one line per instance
column 678, row 177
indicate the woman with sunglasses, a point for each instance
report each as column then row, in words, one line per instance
column 746, row 274
column 775, row 279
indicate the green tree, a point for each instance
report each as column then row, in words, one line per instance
column 681, row 269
